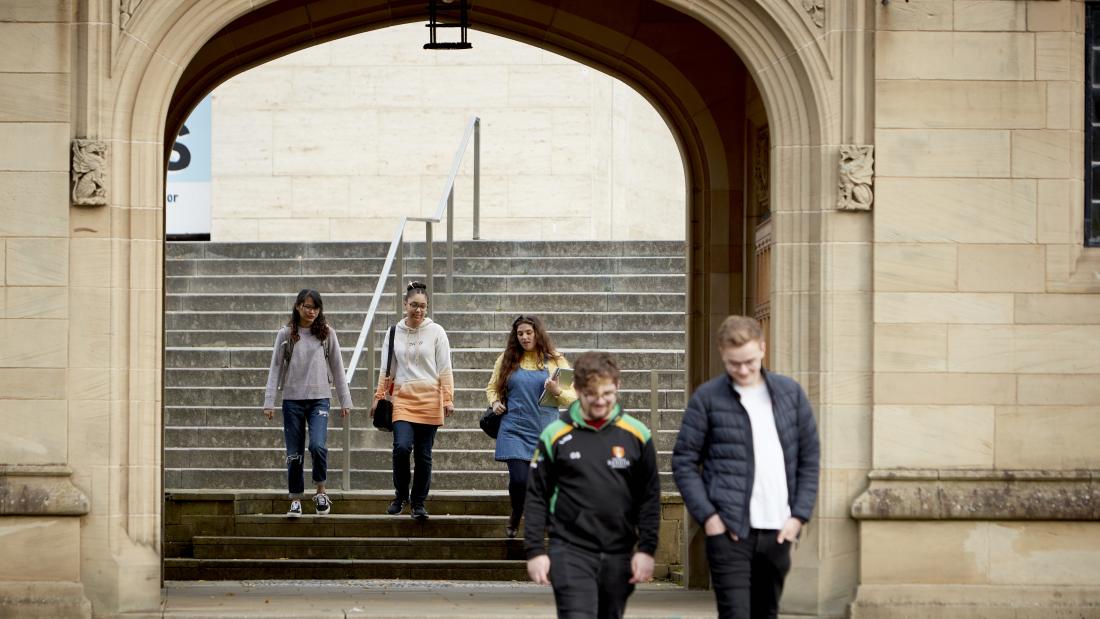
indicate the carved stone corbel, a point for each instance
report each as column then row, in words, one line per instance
column 857, row 171
column 816, row 9
column 89, row 172
column 126, row 9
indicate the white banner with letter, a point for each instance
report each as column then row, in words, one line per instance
column 187, row 190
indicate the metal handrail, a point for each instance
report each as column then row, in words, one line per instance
column 396, row 254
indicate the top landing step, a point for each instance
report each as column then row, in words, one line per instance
column 377, row 249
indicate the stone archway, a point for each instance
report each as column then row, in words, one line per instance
column 686, row 57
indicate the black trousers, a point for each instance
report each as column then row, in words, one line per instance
column 747, row 575
column 589, row 585
column 517, row 487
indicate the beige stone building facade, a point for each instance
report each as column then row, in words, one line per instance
column 338, row 141
column 934, row 292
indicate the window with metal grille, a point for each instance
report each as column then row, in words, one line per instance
column 1092, row 125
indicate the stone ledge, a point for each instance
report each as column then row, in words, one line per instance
column 984, row 474
column 968, row 601
column 30, row 490
column 48, row 600
column 980, row 495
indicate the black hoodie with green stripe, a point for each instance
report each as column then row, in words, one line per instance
column 597, row 489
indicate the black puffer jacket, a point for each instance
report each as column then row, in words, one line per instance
column 716, row 434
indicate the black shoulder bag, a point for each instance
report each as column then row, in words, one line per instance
column 490, row 422
column 383, row 411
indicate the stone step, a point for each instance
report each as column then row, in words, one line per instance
column 511, row 302
column 350, row 323
column 201, row 503
column 362, row 437
column 256, row 357
column 506, row 265
column 368, row 525
column 245, row 535
column 226, row 300
column 359, row 548
column 251, row 416
column 275, row 478
column 469, row 398
column 514, row 249
column 464, row 378
column 331, row 569
column 361, row 459
column 479, row 284
column 458, row 339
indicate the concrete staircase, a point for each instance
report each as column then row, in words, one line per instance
column 243, row 536
column 226, row 300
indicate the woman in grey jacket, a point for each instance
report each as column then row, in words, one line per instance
column 304, row 365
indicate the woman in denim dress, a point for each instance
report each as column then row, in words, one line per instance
column 521, row 373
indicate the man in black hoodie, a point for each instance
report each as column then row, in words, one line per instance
column 594, row 487
column 752, row 434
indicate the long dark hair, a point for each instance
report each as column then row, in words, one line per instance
column 319, row 328
column 513, row 350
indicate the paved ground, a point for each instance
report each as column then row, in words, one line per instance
column 404, row 600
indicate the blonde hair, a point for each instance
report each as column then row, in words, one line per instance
column 737, row 331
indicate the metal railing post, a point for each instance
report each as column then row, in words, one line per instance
column 400, row 264
column 450, row 240
column 477, row 179
column 654, row 408
column 370, row 365
column 346, row 485
column 429, row 257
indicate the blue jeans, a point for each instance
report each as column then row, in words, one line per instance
column 297, row 414
column 417, row 439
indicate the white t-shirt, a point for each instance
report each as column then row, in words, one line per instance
column 768, row 506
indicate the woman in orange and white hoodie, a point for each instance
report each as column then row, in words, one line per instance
column 423, row 395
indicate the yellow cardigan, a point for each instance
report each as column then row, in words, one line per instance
column 531, row 361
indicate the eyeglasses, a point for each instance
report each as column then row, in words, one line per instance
column 596, row 396
column 418, row 306
column 519, row 319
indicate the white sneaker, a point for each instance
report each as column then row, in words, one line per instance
column 322, row 503
column 295, row 510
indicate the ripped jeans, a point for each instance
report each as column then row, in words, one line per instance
column 297, row 414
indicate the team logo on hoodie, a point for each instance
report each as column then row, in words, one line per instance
column 618, row 458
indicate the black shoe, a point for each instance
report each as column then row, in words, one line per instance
column 322, row 503
column 419, row 513
column 295, row 510
column 396, row 507
column 512, row 528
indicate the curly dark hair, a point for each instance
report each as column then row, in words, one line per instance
column 513, row 350
column 319, row 328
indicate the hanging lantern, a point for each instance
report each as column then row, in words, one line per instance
column 448, row 14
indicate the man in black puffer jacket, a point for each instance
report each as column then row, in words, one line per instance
column 753, row 435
